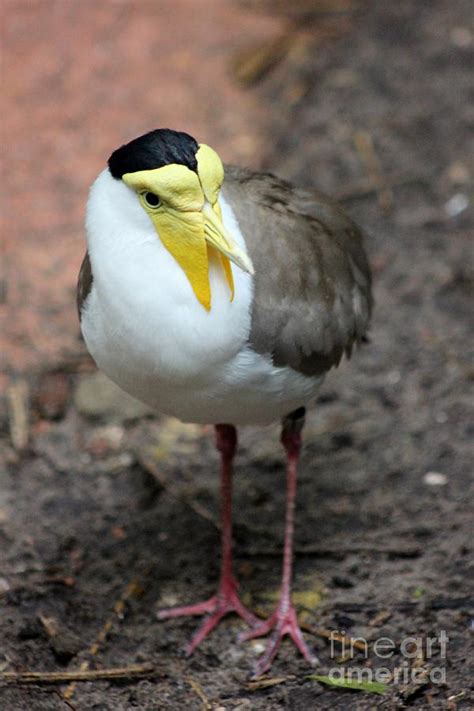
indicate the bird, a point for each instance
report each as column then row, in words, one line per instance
column 221, row 296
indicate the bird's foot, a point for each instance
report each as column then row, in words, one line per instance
column 225, row 602
column 282, row 622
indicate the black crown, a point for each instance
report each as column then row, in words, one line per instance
column 154, row 150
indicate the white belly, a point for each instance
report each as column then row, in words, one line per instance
column 146, row 330
column 246, row 389
column 242, row 388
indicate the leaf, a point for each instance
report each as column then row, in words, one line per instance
column 371, row 687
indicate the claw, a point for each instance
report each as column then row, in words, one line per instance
column 282, row 622
column 225, row 602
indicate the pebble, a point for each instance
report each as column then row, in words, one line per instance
column 167, row 600
column 104, row 440
column 458, row 173
column 457, row 204
column 258, row 647
column 98, row 397
column 394, row 377
column 435, row 479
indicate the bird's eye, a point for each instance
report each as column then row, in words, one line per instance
column 151, row 199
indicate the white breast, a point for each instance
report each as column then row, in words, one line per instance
column 145, row 328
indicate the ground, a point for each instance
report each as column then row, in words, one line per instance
column 98, row 498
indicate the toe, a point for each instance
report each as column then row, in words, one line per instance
column 261, row 629
column 206, row 628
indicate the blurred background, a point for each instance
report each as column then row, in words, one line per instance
column 370, row 102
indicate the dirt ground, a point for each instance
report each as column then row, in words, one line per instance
column 108, row 513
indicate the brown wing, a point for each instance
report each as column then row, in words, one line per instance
column 312, row 297
column 84, row 283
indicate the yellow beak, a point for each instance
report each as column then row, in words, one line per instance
column 216, row 235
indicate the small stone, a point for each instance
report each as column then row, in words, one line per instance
column 65, row 645
column 458, row 173
column 104, row 440
column 98, row 397
column 394, row 377
column 258, row 647
column 435, row 479
column 457, row 204
column 167, row 600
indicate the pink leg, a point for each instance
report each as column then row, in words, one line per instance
column 283, row 621
column 226, row 600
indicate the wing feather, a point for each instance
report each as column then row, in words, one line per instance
column 312, row 291
column 84, row 283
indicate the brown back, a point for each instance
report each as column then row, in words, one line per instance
column 312, row 296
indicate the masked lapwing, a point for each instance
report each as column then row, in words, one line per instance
column 221, row 296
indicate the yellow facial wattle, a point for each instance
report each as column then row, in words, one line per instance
column 211, row 173
column 188, row 220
